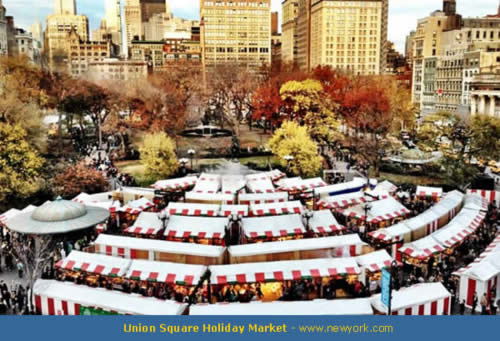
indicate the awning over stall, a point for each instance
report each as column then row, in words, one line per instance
column 262, row 198
column 378, row 211
column 207, row 183
column 147, row 223
column 344, row 200
column 323, row 222
column 188, row 209
column 273, row 227
column 279, row 208
column 434, row 192
column 375, row 261
column 355, row 185
column 178, row 184
column 137, row 206
column 196, row 227
column 166, row 272
column 94, row 263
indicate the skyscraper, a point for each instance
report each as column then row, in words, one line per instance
column 288, row 30
column 235, row 32
column 3, row 31
column 138, row 12
column 350, row 35
column 64, row 6
column 113, row 15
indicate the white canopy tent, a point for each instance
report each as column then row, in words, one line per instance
column 147, row 223
column 323, row 222
column 262, row 198
column 356, row 185
column 178, row 184
column 208, row 183
column 273, row 227
column 378, row 211
column 278, row 208
column 196, row 227
column 166, row 272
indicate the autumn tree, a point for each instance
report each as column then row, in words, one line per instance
column 401, row 106
column 294, row 140
column 306, row 103
column 77, row 179
column 485, row 137
column 20, row 164
column 158, row 155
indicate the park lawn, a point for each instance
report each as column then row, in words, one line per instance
column 410, row 179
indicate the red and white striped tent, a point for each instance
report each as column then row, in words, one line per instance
column 8, row 215
column 356, row 185
column 373, row 262
column 480, row 277
column 263, row 185
column 274, row 175
column 453, row 234
column 420, row 299
column 209, row 198
column 379, row 211
column 262, row 198
column 208, row 183
column 229, row 210
column 386, row 186
column 147, row 223
column 344, row 200
column 129, row 247
column 423, row 225
column 94, row 263
column 273, row 227
column 300, row 185
column 475, row 202
column 166, row 272
column 112, row 206
column 196, row 227
column 137, row 206
column 433, row 192
column 279, row 208
column 348, row 245
column 179, row 184
column 358, row 306
column 423, row 248
column 449, row 205
column 488, row 195
column 63, row 298
column 233, row 183
column 188, row 209
column 282, row 270
column 323, row 222
column 397, row 235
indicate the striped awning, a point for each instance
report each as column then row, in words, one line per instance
column 323, row 222
column 283, row 270
column 344, row 200
column 263, row 185
column 166, row 272
column 175, row 184
column 422, row 248
column 377, row 211
column 147, row 223
column 208, row 183
column 262, row 198
column 375, row 261
column 137, row 206
column 280, row 208
column 228, row 210
column 189, row 209
column 94, row 263
column 273, row 227
column 196, row 227
column 233, row 183
column 434, row 192
column 300, row 185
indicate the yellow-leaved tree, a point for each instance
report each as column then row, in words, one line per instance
column 306, row 103
column 158, row 155
column 294, row 140
column 20, row 164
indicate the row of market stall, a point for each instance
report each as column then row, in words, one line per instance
column 481, row 276
column 62, row 298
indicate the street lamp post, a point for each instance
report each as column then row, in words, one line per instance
column 366, row 208
column 183, row 162
column 191, row 153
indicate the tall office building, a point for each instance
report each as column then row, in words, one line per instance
column 111, row 26
column 152, row 7
column 3, row 31
column 64, row 6
column 350, row 35
column 288, row 30
column 133, row 23
column 236, row 32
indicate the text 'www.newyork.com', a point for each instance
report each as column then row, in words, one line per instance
column 346, row 329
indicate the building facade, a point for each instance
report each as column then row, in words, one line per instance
column 236, row 32
column 115, row 69
column 133, row 23
column 3, row 30
column 164, row 25
column 290, row 11
column 485, row 94
column 350, row 35
column 65, row 7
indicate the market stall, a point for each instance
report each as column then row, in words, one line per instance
column 233, row 210
column 477, row 203
column 59, row 298
column 323, row 223
column 273, row 175
column 338, row 246
column 420, row 299
column 449, row 206
column 278, row 208
column 233, row 184
column 127, row 194
column 418, row 253
column 386, row 186
column 130, row 212
column 392, row 238
column 491, row 196
column 200, row 230
column 207, row 183
column 209, row 198
column 381, row 213
column 356, row 185
column 92, row 269
column 175, row 185
column 262, row 198
column 432, row 193
column 358, row 306
column 272, row 277
column 299, row 185
column 344, row 200
column 190, row 209
column 158, row 250
column 285, row 227
column 371, row 265
column 260, row 185
column 147, row 225
column 423, row 224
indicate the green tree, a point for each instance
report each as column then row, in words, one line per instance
column 294, row 140
column 485, row 137
column 158, row 155
column 20, row 164
column 306, row 103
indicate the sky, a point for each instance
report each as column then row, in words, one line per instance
column 403, row 14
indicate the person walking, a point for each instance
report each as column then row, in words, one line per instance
column 484, row 304
column 474, row 303
column 462, row 307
